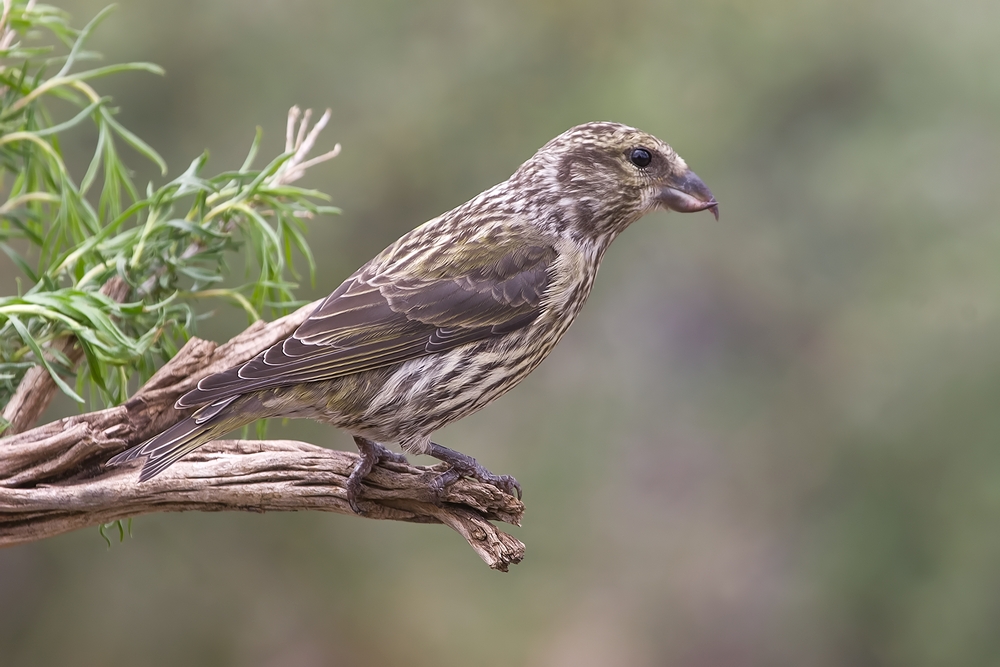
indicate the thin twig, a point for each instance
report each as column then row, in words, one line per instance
column 6, row 32
column 282, row 177
column 305, row 139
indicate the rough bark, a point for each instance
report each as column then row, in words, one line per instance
column 53, row 479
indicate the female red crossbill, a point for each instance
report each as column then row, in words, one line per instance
column 453, row 314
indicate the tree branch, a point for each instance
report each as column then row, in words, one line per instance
column 53, row 480
column 262, row 476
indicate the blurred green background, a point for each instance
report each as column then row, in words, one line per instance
column 771, row 440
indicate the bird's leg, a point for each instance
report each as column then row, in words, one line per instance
column 464, row 465
column 371, row 454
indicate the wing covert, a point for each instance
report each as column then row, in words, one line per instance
column 379, row 317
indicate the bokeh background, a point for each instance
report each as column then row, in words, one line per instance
column 771, row 440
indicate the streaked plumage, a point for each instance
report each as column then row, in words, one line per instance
column 454, row 313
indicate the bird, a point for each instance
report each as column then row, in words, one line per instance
column 452, row 315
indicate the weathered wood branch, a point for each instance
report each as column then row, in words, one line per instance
column 53, row 479
column 262, row 476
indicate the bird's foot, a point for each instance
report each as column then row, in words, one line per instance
column 466, row 466
column 371, row 454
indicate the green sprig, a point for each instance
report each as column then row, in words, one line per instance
column 169, row 245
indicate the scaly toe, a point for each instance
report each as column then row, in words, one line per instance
column 353, row 489
column 464, row 465
column 393, row 457
column 369, row 454
column 507, row 484
column 440, row 483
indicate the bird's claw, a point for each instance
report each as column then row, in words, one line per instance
column 386, row 455
column 466, row 466
column 371, row 454
column 353, row 490
column 443, row 481
column 509, row 485
column 505, row 483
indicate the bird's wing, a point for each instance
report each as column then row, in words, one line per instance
column 393, row 311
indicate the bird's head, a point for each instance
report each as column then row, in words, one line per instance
column 596, row 179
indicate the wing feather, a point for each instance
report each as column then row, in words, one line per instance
column 382, row 316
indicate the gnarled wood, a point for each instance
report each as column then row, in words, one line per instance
column 262, row 476
column 53, row 479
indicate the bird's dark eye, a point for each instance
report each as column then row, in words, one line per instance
column 640, row 157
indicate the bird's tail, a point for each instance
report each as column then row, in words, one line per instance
column 165, row 449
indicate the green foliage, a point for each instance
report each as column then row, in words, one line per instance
column 121, row 527
column 70, row 238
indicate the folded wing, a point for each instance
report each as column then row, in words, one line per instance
column 382, row 316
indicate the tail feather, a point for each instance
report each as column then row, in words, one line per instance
column 162, row 450
column 155, row 465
